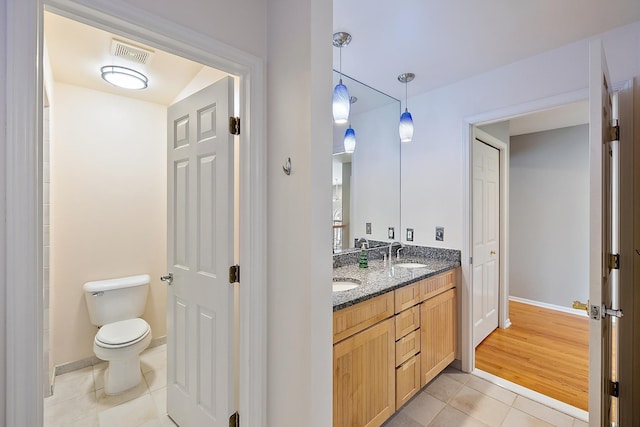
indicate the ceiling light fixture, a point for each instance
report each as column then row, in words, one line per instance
column 124, row 77
column 341, row 104
column 405, row 127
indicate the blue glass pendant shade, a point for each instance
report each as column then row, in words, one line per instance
column 406, row 127
column 349, row 140
column 341, row 103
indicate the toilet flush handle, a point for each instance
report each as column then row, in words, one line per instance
column 168, row 278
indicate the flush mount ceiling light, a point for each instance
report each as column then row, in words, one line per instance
column 341, row 104
column 405, row 127
column 124, row 77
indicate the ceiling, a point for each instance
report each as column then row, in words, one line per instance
column 554, row 118
column 447, row 41
column 77, row 51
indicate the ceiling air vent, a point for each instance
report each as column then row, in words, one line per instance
column 130, row 52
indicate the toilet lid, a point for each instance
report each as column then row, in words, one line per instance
column 123, row 332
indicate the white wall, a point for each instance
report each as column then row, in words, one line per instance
column 108, row 207
column 299, row 213
column 432, row 165
column 375, row 177
column 3, row 273
column 549, row 216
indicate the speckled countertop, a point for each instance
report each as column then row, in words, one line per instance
column 380, row 278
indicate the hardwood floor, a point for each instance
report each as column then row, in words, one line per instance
column 543, row 350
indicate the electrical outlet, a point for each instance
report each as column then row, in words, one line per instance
column 368, row 228
column 392, row 233
column 409, row 234
column 440, row 234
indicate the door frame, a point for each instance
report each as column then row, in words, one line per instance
column 23, row 371
column 467, row 350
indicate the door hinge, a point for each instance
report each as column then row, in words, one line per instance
column 234, row 125
column 614, row 132
column 234, row 274
column 470, row 260
column 614, row 388
column 234, row 420
column 614, row 261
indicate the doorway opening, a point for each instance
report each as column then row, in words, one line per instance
column 242, row 69
column 543, row 216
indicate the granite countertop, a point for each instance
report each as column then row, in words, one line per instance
column 380, row 278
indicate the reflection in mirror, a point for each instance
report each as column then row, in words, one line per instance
column 366, row 183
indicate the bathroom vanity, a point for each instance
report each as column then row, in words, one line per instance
column 392, row 334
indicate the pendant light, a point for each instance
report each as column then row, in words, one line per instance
column 341, row 105
column 350, row 134
column 406, row 121
column 349, row 140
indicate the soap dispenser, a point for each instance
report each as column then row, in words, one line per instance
column 363, row 262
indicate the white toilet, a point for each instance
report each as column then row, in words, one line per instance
column 114, row 305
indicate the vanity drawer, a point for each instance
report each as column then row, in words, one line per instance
column 407, row 296
column 407, row 347
column 358, row 317
column 407, row 380
column 407, row 321
column 437, row 284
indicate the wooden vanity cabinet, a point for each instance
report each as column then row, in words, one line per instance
column 438, row 331
column 364, row 364
column 389, row 347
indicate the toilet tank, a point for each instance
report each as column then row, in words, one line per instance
column 118, row 299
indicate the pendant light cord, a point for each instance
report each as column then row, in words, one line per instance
column 340, row 72
column 406, row 97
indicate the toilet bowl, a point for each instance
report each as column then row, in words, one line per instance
column 115, row 305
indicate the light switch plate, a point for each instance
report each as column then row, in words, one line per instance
column 409, row 234
column 391, row 233
column 440, row 234
column 368, row 228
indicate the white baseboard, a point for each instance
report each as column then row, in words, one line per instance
column 565, row 408
column 561, row 308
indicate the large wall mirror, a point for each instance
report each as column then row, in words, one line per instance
column 366, row 183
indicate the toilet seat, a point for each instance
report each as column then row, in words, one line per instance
column 122, row 334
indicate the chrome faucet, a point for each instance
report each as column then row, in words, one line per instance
column 397, row 252
column 366, row 242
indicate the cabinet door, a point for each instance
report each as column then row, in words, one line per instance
column 438, row 334
column 364, row 377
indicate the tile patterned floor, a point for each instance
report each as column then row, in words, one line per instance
column 79, row 398
column 463, row 400
column 452, row 399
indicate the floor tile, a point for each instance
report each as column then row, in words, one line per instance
column 423, row 408
column 579, row 423
column 543, row 412
column 105, row 401
column 444, row 388
column 503, row 395
column 450, row 417
column 68, row 411
column 133, row 413
column 160, row 400
column 154, row 358
column 517, row 418
column 72, row 384
column 461, row 377
column 156, row 379
column 400, row 419
column 480, row 406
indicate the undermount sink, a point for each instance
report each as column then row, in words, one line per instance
column 409, row 265
column 341, row 285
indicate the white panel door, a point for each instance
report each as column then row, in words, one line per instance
column 200, row 251
column 601, row 411
column 486, row 240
